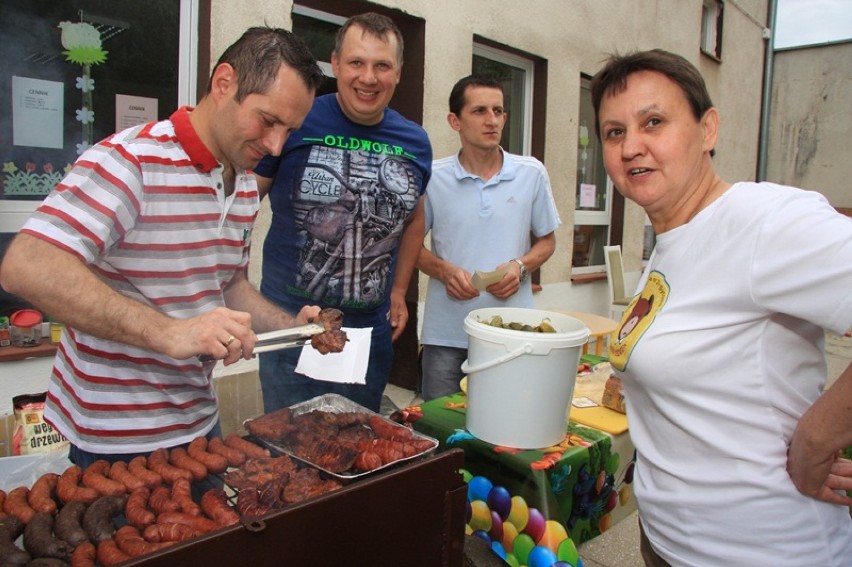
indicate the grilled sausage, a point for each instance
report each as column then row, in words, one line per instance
column 40, row 497
column 16, row 504
column 158, row 461
column 198, row 450
column 69, row 523
column 139, row 466
column 68, row 487
column 95, row 476
column 247, row 447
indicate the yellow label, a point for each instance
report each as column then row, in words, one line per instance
column 637, row 318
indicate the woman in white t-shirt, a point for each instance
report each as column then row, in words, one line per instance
column 721, row 350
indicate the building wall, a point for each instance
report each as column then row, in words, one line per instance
column 574, row 37
column 810, row 120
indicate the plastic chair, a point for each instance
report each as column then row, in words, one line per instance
column 615, row 281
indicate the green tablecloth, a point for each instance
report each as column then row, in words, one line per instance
column 529, row 503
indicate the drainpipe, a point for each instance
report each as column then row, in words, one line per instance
column 768, row 63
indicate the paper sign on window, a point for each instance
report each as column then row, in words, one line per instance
column 37, row 107
column 588, row 195
column 132, row 110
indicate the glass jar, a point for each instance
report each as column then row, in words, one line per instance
column 26, row 328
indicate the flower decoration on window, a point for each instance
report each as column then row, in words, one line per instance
column 30, row 181
column 85, row 83
column 82, row 43
column 85, row 115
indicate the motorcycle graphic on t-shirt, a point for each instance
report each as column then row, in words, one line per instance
column 351, row 208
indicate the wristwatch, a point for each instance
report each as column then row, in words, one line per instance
column 524, row 272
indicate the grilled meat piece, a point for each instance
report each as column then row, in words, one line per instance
column 333, row 339
column 307, row 483
column 352, row 435
column 331, row 319
column 329, row 341
column 256, row 472
column 273, row 425
column 329, row 455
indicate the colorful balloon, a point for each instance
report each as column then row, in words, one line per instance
column 567, row 552
column 554, row 534
column 519, row 514
column 522, row 547
column 535, row 525
column 510, row 532
column 482, row 535
column 480, row 517
column 497, row 548
column 496, row 531
column 478, row 488
column 500, row 501
column 541, row 556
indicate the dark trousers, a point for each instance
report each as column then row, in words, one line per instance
column 282, row 386
column 648, row 554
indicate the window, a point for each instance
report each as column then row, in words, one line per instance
column 516, row 74
column 711, row 28
column 593, row 192
column 57, row 100
column 318, row 30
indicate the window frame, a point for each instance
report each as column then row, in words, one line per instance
column 322, row 16
column 15, row 212
column 594, row 218
column 712, row 18
column 527, row 66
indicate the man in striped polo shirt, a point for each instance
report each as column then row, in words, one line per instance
column 141, row 250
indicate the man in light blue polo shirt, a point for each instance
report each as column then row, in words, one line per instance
column 481, row 207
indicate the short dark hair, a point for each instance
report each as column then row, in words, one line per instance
column 612, row 79
column 374, row 24
column 258, row 55
column 457, row 95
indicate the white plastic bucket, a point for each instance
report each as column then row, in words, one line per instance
column 520, row 383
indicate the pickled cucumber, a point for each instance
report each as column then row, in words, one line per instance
column 543, row 327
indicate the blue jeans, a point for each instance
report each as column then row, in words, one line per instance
column 282, row 386
column 442, row 370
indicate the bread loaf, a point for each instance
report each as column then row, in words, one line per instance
column 613, row 395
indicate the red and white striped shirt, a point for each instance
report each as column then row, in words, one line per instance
column 146, row 210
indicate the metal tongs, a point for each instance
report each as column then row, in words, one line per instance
column 277, row 340
column 286, row 338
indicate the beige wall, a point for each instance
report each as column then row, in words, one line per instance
column 573, row 36
column 811, row 118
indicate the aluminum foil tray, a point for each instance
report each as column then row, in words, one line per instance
column 335, row 403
